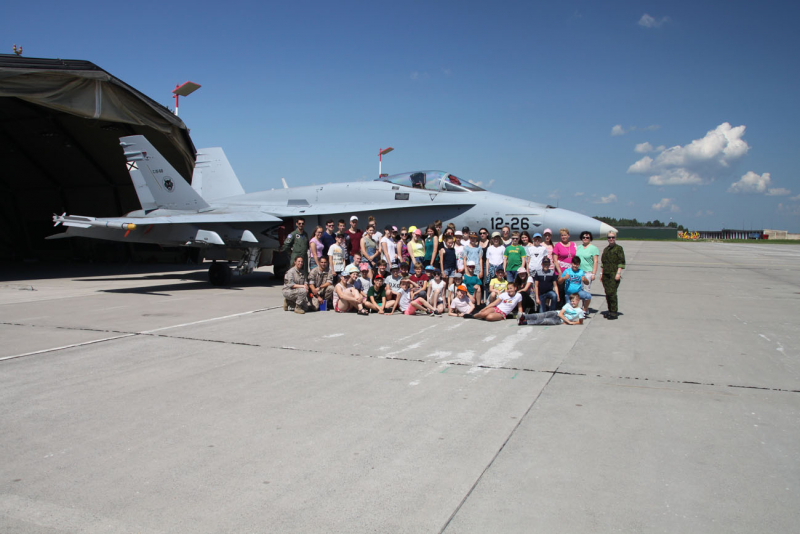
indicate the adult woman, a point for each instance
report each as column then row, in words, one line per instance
column 315, row 248
column 431, row 245
column 417, row 248
column 494, row 255
column 388, row 245
column 369, row 247
column 402, row 249
column 590, row 260
column 345, row 296
column 563, row 252
column 484, row 242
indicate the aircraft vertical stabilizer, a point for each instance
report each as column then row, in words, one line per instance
column 213, row 175
column 157, row 183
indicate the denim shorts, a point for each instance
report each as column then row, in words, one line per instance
column 449, row 272
column 583, row 295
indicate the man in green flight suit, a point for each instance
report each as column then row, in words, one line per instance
column 297, row 242
column 613, row 262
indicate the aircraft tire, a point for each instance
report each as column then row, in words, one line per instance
column 219, row 274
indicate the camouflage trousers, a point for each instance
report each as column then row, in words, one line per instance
column 296, row 297
column 611, row 285
column 325, row 294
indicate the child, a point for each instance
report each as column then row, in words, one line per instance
column 363, row 283
column 447, row 260
column 571, row 313
column 544, row 287
column 336, row 255
column 473, row 283
column 420, row 278
column 377, row 299
column 461, row 304
column 514, row 258
column 436, row 293
column 408, row 302
column 451, row 289
column 573, row 281
column 498, row 284
column 498, row 309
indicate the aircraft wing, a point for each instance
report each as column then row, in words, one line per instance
column 125, row 223
column 349, row 208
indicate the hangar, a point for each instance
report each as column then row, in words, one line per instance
column 60, row 124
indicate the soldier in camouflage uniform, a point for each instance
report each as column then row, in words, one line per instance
column 297, row 243
column 320, row 283
column 295, row 288
column 613, row 262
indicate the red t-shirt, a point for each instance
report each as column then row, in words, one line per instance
column 354, row 246
column 419, row 280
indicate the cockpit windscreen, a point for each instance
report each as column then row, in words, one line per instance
column 432, row 181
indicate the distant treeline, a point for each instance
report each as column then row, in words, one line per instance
column 616, row 223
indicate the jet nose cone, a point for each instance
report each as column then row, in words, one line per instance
column 605, row 228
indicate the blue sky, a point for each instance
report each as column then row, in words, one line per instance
column 626, row 109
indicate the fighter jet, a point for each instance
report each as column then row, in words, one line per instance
column 243, row 231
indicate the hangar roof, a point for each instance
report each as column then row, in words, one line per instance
column 60, row 124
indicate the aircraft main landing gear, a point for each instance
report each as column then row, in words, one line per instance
column 219, row 274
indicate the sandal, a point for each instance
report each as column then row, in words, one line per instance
column 363, row 312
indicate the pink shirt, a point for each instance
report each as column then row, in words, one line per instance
column 564, row 254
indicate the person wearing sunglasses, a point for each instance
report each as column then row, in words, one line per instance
column 590, row 261
column 613, row 262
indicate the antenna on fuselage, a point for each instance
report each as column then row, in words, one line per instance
column 285, row 185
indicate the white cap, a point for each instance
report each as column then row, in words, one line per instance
column 353, row 218
column 458, row 232
column 470, row 263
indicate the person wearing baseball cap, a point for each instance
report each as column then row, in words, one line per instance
column 416, row 248
column 495, row 256
column 354, row 235
column 536, row 253
column 473, row 253
column 473, row 283
column 363, row 282
column 346, row 298
column 461, row 304
column 393, row 281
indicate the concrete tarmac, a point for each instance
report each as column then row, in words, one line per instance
column 141, row 401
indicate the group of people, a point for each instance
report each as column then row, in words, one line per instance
column 438, row 270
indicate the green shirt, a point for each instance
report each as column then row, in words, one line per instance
column 514, row 253
column 613, row 258
column 379, row 295
column 587, row 254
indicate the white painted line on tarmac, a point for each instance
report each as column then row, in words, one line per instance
column 65, row 347
column 208, row 320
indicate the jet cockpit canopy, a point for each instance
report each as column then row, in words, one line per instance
column 431, row 181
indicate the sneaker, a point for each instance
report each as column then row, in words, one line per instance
column 285, row 305
column 522, row 320
column 300, row 311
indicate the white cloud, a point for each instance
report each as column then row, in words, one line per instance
column 796, row 197
column 618, row 130
column 607, row 200
column 644, row 148
column 751, row 183
column 487, row 186
column 554, row 194
column 675, row 177
column 648, row 21
column 701, row 213
column 666, row 203
column 697, row 162
column 778, row 192
column 579, row 194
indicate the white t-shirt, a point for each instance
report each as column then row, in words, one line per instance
column 337, row 254
column 508, row 304
column 393, row 283
column 494, row 255
column 391, row 247
column 535, row 257
column 437, row 287
column 405, row 299
column 459, row 255
column 461, row 305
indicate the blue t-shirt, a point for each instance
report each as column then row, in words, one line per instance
column 574, row 281
column 327, row 240
column 573, row 314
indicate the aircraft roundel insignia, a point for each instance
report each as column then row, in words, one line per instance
column 169, row 185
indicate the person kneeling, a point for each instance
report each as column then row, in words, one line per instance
column 571, row 313
column 499, row 309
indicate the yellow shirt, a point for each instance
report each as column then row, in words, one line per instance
column 417, row 248
column 497, row 285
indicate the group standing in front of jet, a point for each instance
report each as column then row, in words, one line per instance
column 463, row 273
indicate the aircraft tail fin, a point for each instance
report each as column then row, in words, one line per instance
column 213, row 175
column 157, row 183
